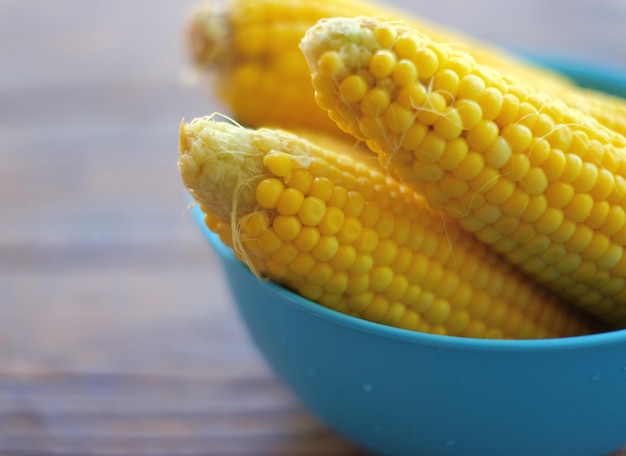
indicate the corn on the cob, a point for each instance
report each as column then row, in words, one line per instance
column 541, row 182
column 250, row 47
column 347, row 236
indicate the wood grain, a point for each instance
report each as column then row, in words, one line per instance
column 117, row 333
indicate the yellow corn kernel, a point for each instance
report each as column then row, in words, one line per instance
column 559, row 162
column 362, row 263
column 344, row 258
column 320, row 274
column 469, row 111
column 554, row 165
column 331, row 64
column 518, row 136
column 509, row 110
column 374, row 102
column 301, row 180
column 349, row 231
column 447, row 83
column 332, row 221
column 471, row 166
column 355, row 203
column 285, row 254
column 367, row 241
column 380, row 278
column 302, row 264
column 491, row 103
column 449, row 125
column 535, row 181
column 357, row 283
column 539, row 153
column 286, row 227
column 268, row 191
column 482, row 135
column 326, row 248
column 255, row 224
column 559, row 194
column 498, row 154
column 439, row 312
column 384, row 225
column 426, row 62
column 432, row 109
column 382, row 64
column 353, row 88
column 290, row 201
column 398, row 118
column 517, row 204
column 311, row 211
column 417, row 94
column 279, row 164
column 338, row 198
column 269, row 242
column 307, row 238
column 321, row 188
column 471, row 87
column 404, row 73
column 393, row 259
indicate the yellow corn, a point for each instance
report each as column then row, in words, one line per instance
column 344, row 234
column 250, row 48
column 541, row 182
column 609, row 110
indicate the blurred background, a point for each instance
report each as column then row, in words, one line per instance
column 117, row 335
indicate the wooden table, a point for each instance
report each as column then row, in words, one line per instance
column 117, row 334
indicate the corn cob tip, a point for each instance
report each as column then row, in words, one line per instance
column 217, row 163
column 207, row 35
column 220, row 162
column 324, row 34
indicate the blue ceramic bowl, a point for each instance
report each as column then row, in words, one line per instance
column 397, row 392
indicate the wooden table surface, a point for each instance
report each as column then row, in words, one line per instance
column 117, row 333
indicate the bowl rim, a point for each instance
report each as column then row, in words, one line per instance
column 587, row 73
